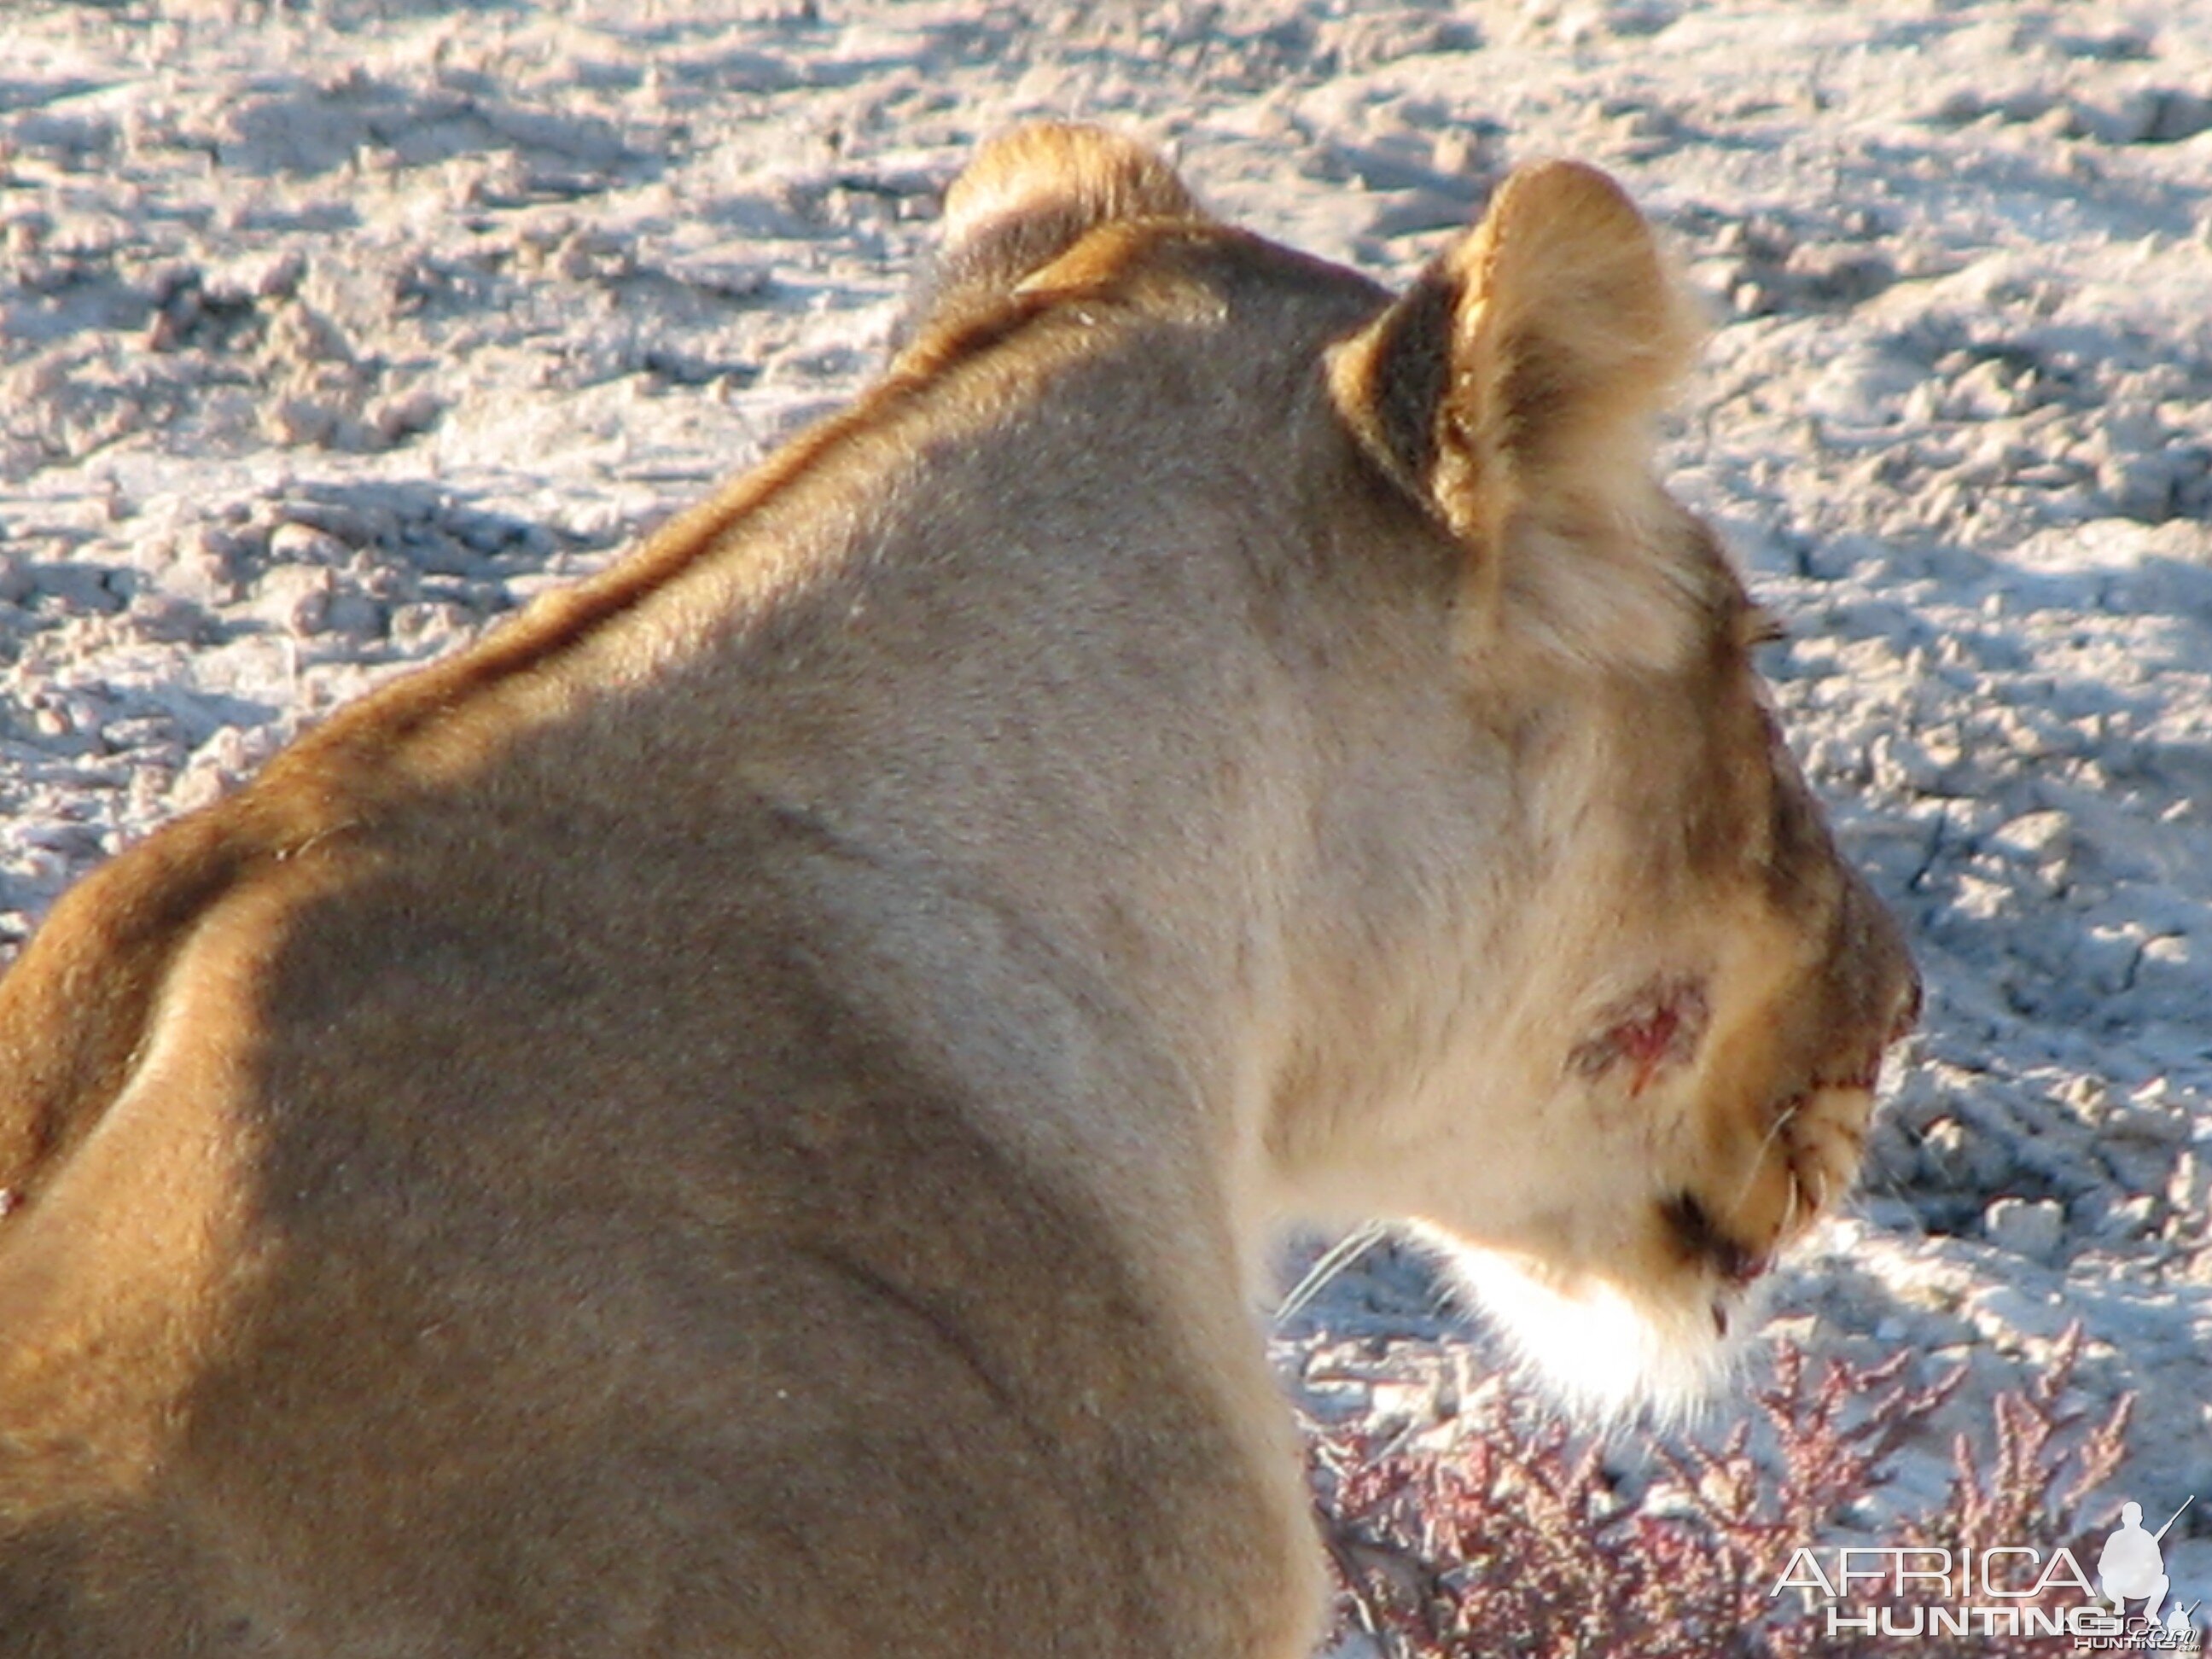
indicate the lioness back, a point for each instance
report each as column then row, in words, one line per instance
column 739, row 1116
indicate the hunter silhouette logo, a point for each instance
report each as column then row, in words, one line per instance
column 2131, row 1567
column 2002, row 1591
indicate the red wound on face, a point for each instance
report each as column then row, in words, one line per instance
column 1648, row 1043
column 1658, row 1028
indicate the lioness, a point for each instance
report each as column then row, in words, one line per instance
column 743, row 1115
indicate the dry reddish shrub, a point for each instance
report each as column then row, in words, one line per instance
column 1514, row 1540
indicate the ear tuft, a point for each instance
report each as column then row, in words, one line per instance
column 1578, row 327
column 1029, row 195
column 1547, row 335
column 1512, row 392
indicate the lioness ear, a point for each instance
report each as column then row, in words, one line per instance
column 1030, row 195
column 1512, row 392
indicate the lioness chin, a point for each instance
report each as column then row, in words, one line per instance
column 742, row 1114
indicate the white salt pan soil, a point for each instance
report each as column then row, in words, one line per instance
column 325, row 339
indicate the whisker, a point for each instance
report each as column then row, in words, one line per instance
column 1782, row 1121
column 1332, row 1262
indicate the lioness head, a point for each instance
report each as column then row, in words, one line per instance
column 1581, row 983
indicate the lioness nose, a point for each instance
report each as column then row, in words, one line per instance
column 1909, row 1003
column 1887, row 997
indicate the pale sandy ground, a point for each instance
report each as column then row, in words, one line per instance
column 325, row 337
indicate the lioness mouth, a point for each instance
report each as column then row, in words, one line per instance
column 1702, row 1240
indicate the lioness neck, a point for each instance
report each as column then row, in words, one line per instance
column 900, row 694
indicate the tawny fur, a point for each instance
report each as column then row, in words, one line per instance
column 741, row 1115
